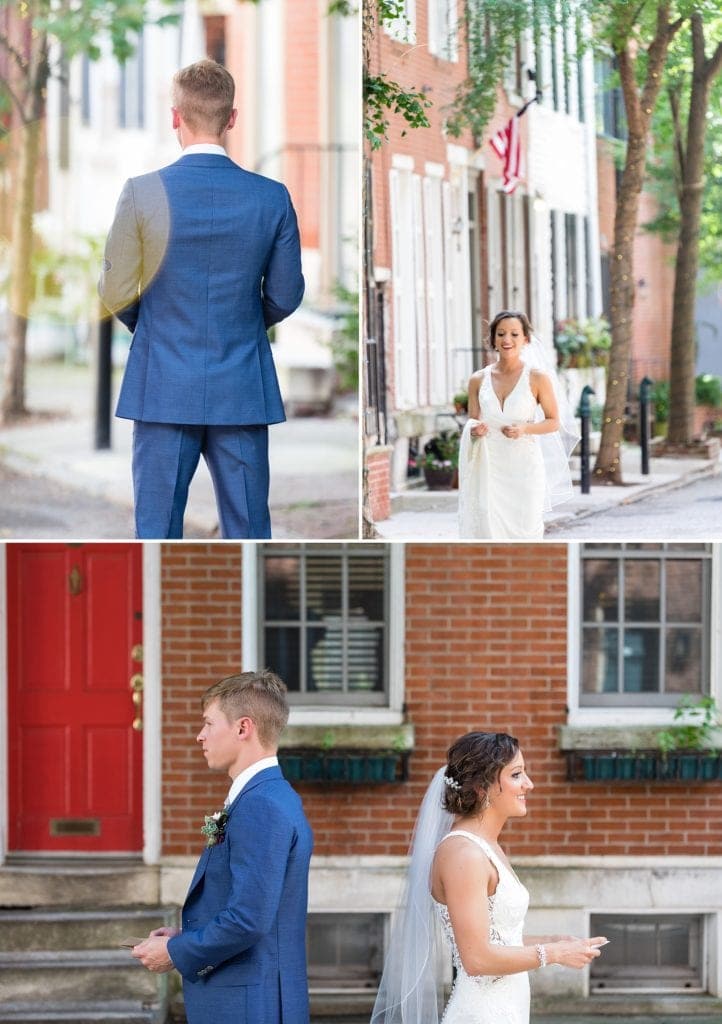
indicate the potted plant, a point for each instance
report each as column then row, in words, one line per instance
column 660, row 401
column 461, row 402
column 440, row 460
column 681, row 745
column 581, row 344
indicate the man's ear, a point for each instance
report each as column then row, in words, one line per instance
column 232, row 119
column 176, row 119
column 245, row 727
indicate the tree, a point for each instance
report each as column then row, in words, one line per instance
column 639, row 36
column 690, row 179
column 39, row 36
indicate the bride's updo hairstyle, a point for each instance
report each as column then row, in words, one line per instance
column 474, row 763
column 507, row 314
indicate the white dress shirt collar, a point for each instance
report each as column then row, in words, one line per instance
column 247, row 774
column 203, row 147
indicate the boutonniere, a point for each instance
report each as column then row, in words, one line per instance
column 214, row 827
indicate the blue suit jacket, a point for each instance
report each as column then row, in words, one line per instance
column 201, row 258
column 242, row 950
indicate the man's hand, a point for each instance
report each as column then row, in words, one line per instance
column 153, row 953
column 170, row 932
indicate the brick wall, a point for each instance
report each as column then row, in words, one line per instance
column 201, row 629
column 378, row 466
column 485, row 649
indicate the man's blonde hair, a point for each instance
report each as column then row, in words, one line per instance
column 258, row 695
column 203, row 95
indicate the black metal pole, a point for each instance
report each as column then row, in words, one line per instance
column 585, row 411
column 644, row 392
column 103, row 373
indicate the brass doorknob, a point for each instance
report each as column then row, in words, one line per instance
column 136, row 652
column 136, row 683
column 138, row 724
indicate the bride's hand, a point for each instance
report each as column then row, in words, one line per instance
column 514, row 430
column 574, row 952
column 480, row 430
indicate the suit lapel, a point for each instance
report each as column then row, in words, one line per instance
column 264, row 776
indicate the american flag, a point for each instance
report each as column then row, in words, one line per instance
column 507, row 146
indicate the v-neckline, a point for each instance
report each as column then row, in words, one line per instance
column 511, row 392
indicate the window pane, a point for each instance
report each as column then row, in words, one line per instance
column 283, row 654
column 599, row 668
column 345, row 948
column 648, row 953
column 282, row 589
column 684, row 661
column 684, row 591
column 601, row 591
column 323, row 586
column 365, row 658
column 366, row 589
column 326, row 656
column 641, row 660
column 641, row 590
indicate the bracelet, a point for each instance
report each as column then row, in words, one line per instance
column 542, row 955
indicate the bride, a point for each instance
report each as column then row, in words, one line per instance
column 461, row 880
column 515, row 447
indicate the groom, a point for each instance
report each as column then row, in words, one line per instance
column 242, row 949
column 202, row 257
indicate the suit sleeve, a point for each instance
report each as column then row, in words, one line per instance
column 261, row 841
column 119, row 284
column 283, row 283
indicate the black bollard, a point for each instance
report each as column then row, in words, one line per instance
column 644, row 390
column 585, row 411
column 103, row 373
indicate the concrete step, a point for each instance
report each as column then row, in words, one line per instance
column 66, row 882
column 640, row 1009
column 108, row 1012
column 65, row 929
column 75, row 975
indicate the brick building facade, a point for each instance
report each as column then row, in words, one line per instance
column 447, row 248
column 392, row 651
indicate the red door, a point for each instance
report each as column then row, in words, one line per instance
column 74, row 658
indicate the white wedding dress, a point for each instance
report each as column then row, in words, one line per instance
column 502, row 481
column 483, row 999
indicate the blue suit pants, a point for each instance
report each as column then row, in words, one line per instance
column 165, row 457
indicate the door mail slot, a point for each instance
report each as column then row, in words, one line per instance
column 75, row 826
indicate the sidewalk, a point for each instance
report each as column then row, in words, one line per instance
column 419, row 514
column 314, row 461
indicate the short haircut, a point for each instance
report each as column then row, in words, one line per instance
column 203, row 95
column 257, row 695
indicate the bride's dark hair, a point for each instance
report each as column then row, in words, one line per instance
column 474, row 763
column 507, row 314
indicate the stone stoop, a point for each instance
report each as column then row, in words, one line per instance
column 60, row 929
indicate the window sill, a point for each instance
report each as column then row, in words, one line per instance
column 311, row 716
column 329, row 737
column 617, row 737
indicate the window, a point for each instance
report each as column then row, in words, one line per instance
column 645, row 611
column 570, row 251
column 403, row 28
column 611, row 119
column 443, row 36
column 131, row 113
column 649, row 953
column 323, row 613
column 345, row 951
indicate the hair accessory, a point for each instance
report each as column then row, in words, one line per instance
column 542, row 955
column 451, row 783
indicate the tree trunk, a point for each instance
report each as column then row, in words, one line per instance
column 638, row 108
column 682, row 365
column 13, row 400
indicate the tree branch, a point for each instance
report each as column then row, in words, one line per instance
column 15, row 54
column 678, row 139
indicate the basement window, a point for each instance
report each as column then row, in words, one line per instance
column 650, row 953
column 345, row 952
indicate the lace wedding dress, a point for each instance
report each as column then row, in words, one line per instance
column 502, row 483
column 483, row 999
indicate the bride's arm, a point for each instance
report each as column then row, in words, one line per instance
column 466, row 875
column 480, row 428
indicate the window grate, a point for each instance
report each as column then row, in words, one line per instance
column 649, row 953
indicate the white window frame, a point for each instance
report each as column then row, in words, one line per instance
column 443, row 30
column 392, row 713
column 630, row 715
column 438, row 387
column 403, row 29
column 408, row 294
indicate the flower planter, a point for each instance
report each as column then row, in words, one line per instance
column 344, row 766
column 439, row 478
column 643, row 766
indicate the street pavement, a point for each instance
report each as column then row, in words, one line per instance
column 680, row 499
column 51, row 470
